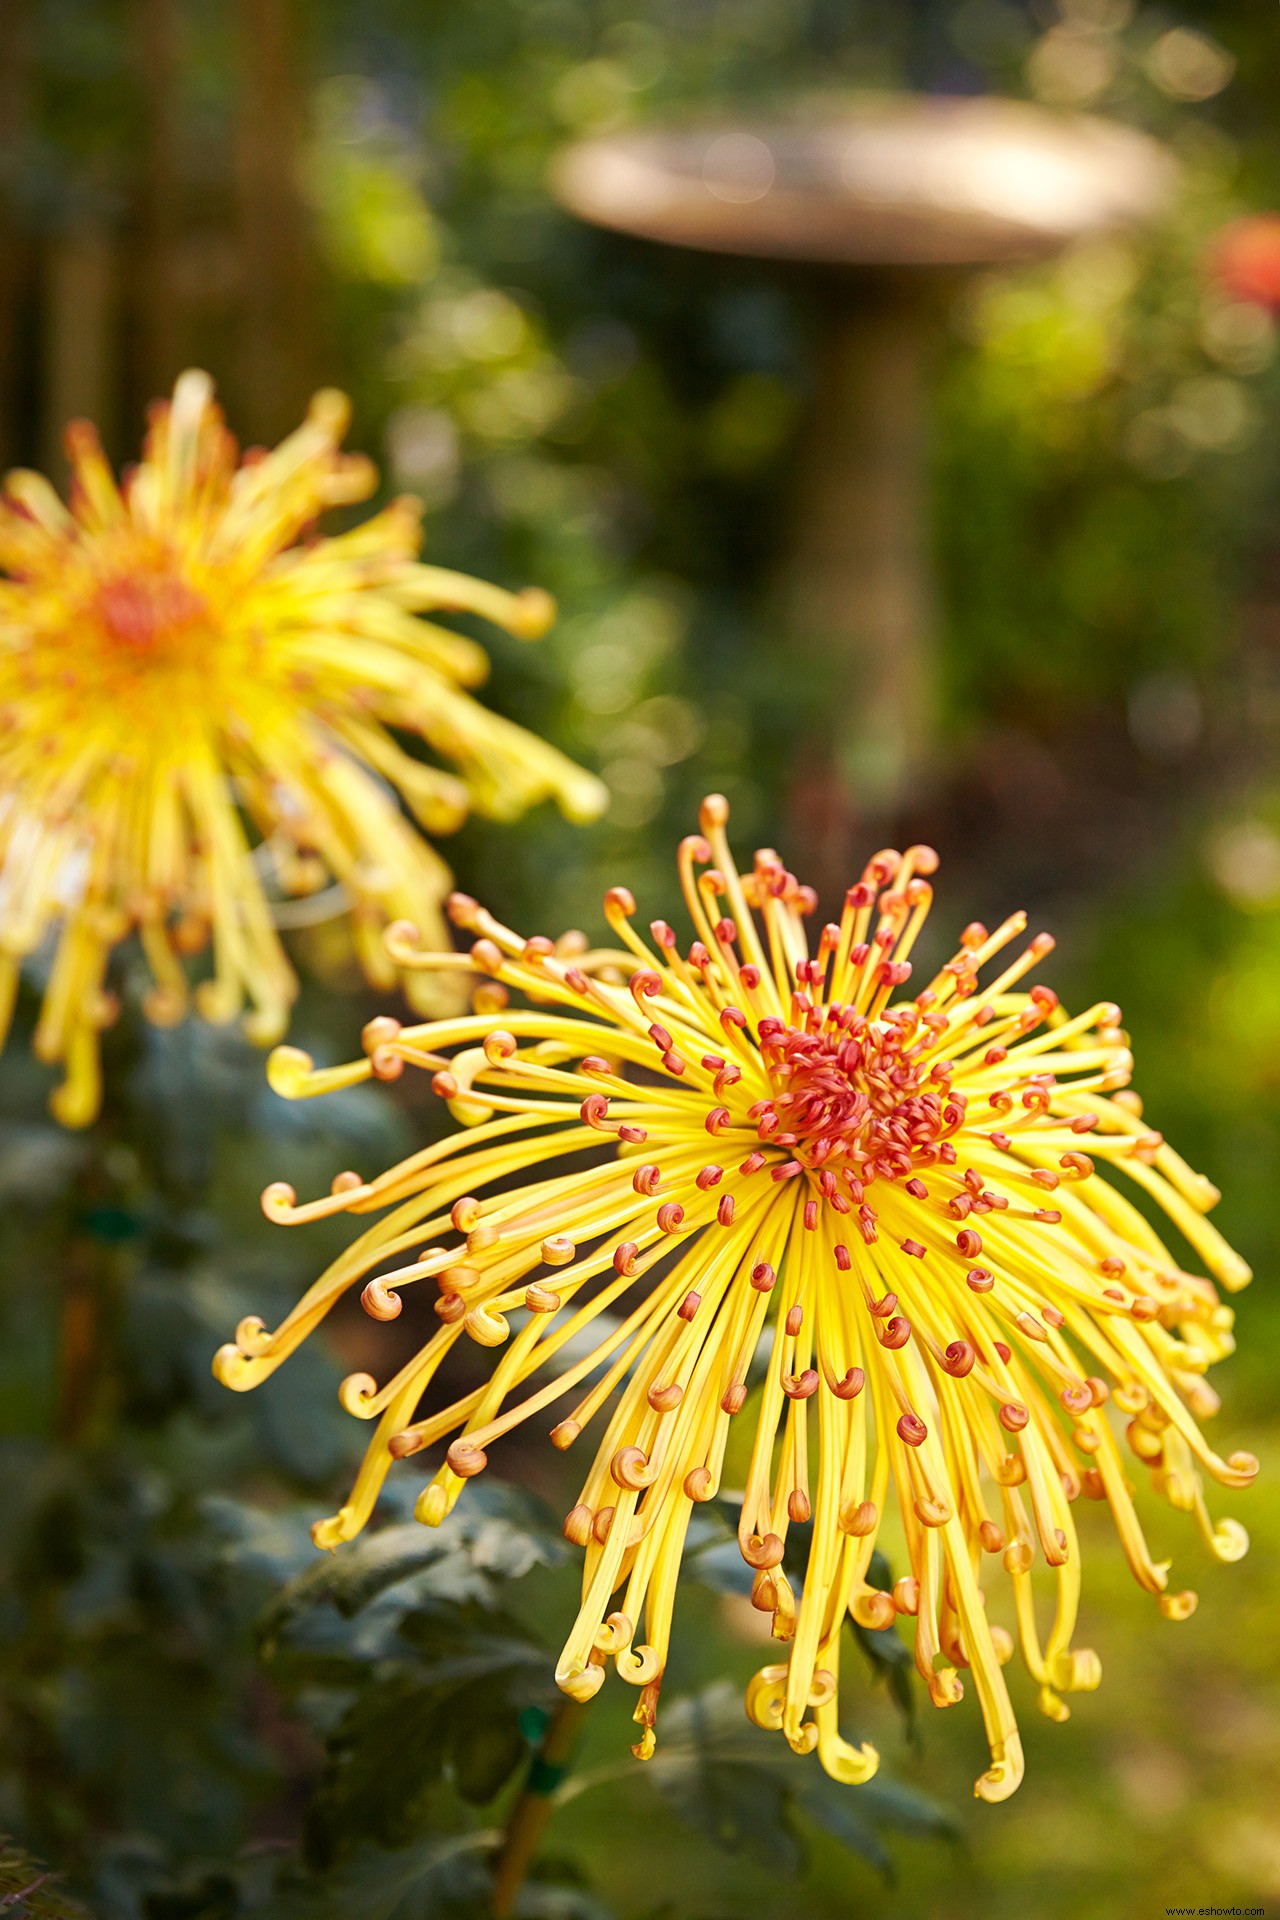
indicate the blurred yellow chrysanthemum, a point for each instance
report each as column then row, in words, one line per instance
column 183, row 663
column 887, row 1232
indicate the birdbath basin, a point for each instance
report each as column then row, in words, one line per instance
column 885, row 202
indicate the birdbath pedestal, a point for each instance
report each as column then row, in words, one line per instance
column 886, row 203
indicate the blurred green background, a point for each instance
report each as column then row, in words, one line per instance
column 356, row 195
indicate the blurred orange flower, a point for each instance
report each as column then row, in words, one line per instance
column 1246, row 259
column 185, row 667
column 752, row 1180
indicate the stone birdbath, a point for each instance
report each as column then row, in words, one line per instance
column 885, row 202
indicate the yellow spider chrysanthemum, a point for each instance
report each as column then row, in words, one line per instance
column 906, row 1203
column 179, row 656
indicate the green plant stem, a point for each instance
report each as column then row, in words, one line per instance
column 80, row 1336
column 532, row 1810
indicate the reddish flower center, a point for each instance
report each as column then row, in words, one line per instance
column 855, row 1096
column 138, row 609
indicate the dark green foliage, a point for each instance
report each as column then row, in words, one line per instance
column 440, row 1878
column 493, row 1537
column 890, row 1657
column 29, row 1891
column 426, row 1693
column 742, row 1789
column 206, row 1720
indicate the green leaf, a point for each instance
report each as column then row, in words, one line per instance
column 890, row 1657
column 739, row 1788
column 410, row 1728
column 386, row 1755
column 838, row 1814
column 854, row 1815
column 892, row 1661
column 715, row 1785
column 894, row 1804
column 495, row 1537
column 438, row 1876
column 486, row 1752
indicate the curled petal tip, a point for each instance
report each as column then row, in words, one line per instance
column 380, row 1302
column 75, row 1103
column 613, row 1635
column 946, row 1689
column 1229, row 1541
column 165, row 1006
column 234, row 1369
column 278, row 1202
column 217, row 1001
column 403, row 943
column 265, row 1026
column 486, row 1328
column 330, row 410
column 766, row 1696
column 288, row 1070
column 1004, row 1776
column 1077, row 1670
column 381, row 1031
column 638, row 1666
column 334, row 1532
column 252, row 1337
column 533, row 612
column 466, row 1460
column 355, row 1393
column 851, row 1766
column 463, row 911
column 1178, row 1606
column 583, row 798
column 924, row 860
column 582, row 1686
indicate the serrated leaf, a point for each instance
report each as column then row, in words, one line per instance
column 438, row 1876
column 399, row 1737
column 740, row 1788
column 854, row 1816
column 497, row 1537
column 386, row 1755
column 838, row 1813
column 737, row 1806
column 350, row 1579
column 897, row 1805
column 717, row 1788
column 892, row 1661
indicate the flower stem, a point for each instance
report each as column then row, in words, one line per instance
column 82, row 1333
column 533, row 1809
